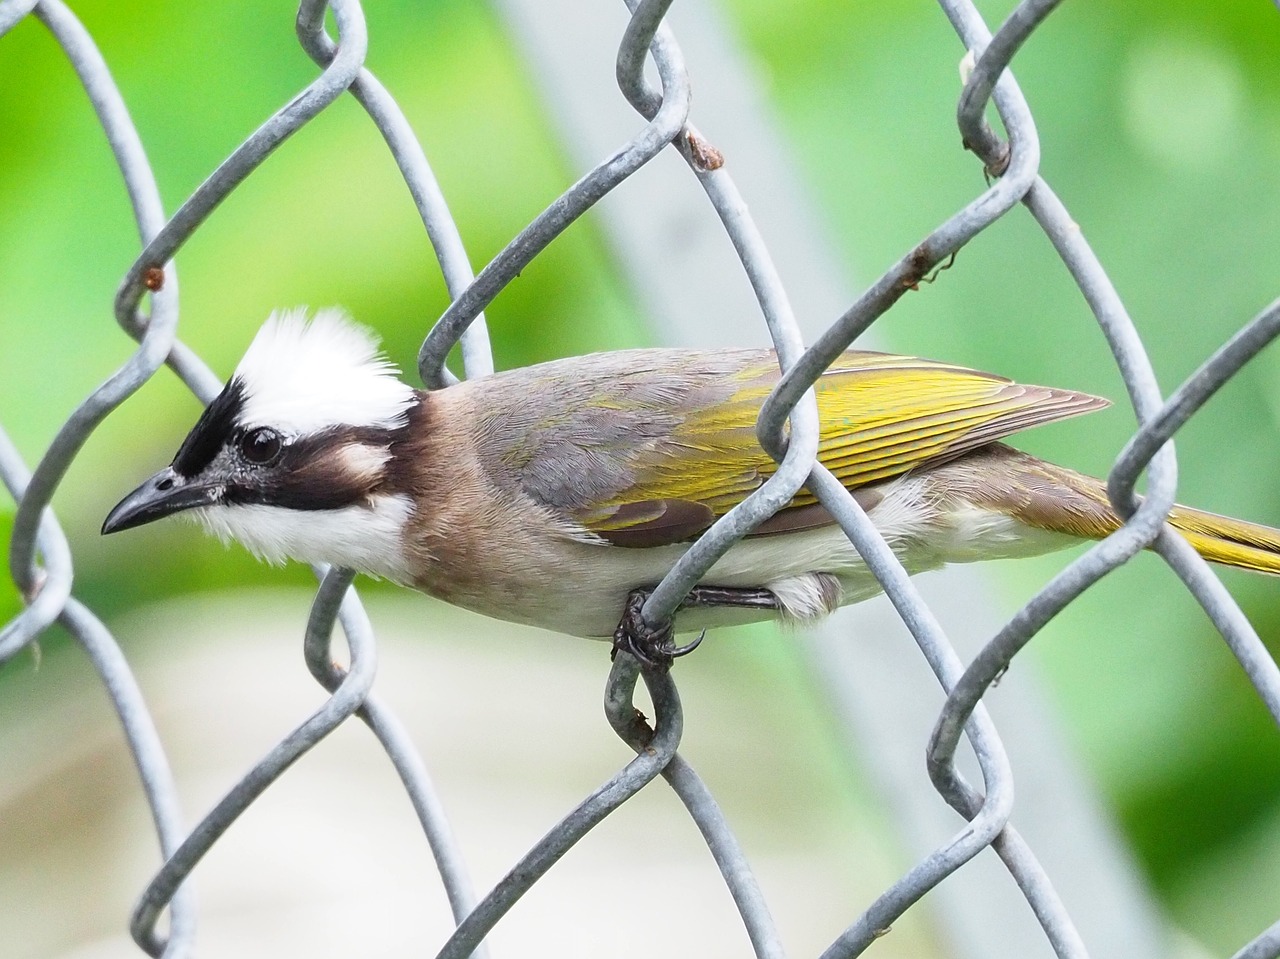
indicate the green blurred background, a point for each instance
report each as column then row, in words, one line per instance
column 1160, row 127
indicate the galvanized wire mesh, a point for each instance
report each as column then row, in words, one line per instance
column 40, row 561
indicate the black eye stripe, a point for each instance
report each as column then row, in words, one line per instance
column 309, row 476
column 211, row 431
column 306, row 473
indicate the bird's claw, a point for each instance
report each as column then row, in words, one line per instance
column 651, row 646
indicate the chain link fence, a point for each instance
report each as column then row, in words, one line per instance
column 41, row 564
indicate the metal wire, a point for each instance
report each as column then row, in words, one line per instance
column 40, row 561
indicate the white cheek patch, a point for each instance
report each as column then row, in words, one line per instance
column 362, row 462
column 300, row 377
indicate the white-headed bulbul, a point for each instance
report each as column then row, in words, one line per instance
column 547, row 495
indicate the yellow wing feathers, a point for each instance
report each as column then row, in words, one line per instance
column 882, row 422
column 881, row 416
column 682, row 449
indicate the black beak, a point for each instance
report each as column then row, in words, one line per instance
column 163, row 495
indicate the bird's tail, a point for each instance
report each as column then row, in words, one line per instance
column 1050, row 497
column 1230, row 541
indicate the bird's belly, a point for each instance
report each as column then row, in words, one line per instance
column 580, row 587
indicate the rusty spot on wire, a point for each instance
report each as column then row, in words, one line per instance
column 918, row 264
column 705, row 157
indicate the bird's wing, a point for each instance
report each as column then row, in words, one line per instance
column 681, row 452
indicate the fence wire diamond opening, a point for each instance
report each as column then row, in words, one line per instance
column 655, row 79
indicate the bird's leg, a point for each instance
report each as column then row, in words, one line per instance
column 745, row 597
column 653, row 647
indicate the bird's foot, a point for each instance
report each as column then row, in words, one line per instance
column 653, row 646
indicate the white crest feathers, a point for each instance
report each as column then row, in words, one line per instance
column 302, row 376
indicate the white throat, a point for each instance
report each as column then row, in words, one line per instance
column 363, row 537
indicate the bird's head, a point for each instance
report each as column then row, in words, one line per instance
column 291, row 458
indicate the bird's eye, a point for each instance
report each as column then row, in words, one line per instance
column 261, row 446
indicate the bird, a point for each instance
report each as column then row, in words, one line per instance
column 557, row 495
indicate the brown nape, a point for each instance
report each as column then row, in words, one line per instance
column 469, row 540
column 416, row 466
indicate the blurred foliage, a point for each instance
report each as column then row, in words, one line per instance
column 1160, row 126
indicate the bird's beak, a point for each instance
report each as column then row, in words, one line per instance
column 163, row 495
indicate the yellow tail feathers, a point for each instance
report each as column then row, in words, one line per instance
column 1232, row 542
column 1049, row 497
